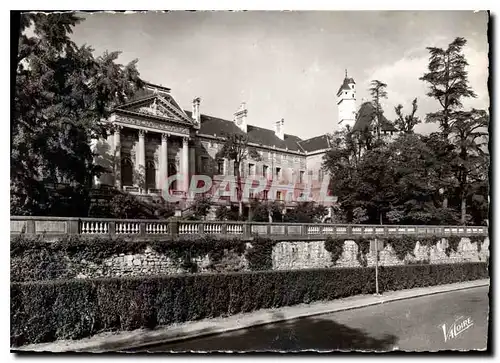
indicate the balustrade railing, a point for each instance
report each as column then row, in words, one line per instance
column 128, row 227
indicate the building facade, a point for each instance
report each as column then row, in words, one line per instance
column 153, row 139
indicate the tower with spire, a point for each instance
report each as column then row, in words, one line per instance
column 346, row 103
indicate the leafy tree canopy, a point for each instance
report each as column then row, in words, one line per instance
column 62, row 93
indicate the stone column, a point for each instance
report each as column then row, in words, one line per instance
column 93, row 147
column 164, row 162
column 192, row 161
column 185, row 165
column 141, row 162
column 117, row 157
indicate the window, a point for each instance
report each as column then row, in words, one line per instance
column 320, row 175
column 278, row 172
column 301, row 176
column 172, row 170
column 150, row 174
column 251, row 169
column 264, row 170
column 278, row 195
column 235, row 169
column 127, row 171
column 204, row 164
column 265, row 194
column 220, row 167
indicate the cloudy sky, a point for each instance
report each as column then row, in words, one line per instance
column 289, row 64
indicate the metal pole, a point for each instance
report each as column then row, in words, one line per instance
column 376, row 266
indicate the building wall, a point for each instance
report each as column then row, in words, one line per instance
column 291, row 164
column 293, row 167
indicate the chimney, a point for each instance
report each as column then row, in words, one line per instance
column 196, row 110
column 279, row 129
column 240, row 117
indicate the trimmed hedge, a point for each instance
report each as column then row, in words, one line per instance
column 73, row 309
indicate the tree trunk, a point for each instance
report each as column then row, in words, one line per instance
column 238, row 188
column 380, row 215
column 445, row 202
column 463, row 210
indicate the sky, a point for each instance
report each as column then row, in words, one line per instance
column 290, row 64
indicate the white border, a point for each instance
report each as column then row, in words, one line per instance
column 183, row 5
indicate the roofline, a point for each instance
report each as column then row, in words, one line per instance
column 263, row 128
column 139, row 100
column 166, row 89
column 159, row 118
column 255, row 145
column 319, row 151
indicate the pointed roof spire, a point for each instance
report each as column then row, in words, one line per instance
column 345, row 84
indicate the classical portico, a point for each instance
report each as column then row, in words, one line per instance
column 150, row 141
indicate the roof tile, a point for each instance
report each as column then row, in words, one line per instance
column 315, row 143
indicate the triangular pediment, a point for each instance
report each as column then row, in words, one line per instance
column 158, row 107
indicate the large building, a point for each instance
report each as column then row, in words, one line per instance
column 154, row 138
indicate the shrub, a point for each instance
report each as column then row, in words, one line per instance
column 72, row 309
column 262, row 209
column 201, row 206
column 124, row 205
column 305, row 212
column 363, row 250
column 223, row 213
column 453, row 242
column 335, row 246
column 423, row 275
column 402, row 245
column 260, row 255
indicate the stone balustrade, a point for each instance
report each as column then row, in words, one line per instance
column 57, row 226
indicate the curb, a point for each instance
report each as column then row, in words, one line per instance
column 127, row 344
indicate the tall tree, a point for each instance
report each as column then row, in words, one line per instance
column 62, row 93
column 397, row 182
column 341, row 161
column 407, row 123
column 375, row 187
column 441, row 172
column 236, row 148
column 415, row 183
column 469, row 130
column 448, row 81
column 378, row 92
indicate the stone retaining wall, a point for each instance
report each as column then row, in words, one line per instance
column 300, row 255
column 284, row 256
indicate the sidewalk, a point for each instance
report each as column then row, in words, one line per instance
column 139, row 338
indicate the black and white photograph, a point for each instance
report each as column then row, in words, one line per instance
column 250, row 181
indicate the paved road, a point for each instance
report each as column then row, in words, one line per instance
column 410, row 325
